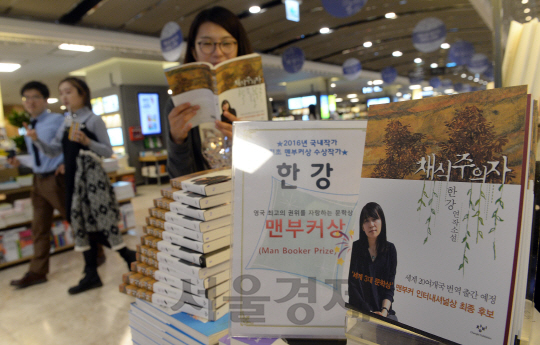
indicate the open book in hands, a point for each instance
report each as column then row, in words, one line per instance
column 235, row 85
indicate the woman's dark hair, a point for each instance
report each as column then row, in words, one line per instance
column 225, row 102
column 373, row 210
column 82, row 89
column 38, row 86
column 224, row 18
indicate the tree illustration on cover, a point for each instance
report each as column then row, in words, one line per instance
column 470, row 132
column 402, row 151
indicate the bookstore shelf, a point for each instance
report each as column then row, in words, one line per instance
column 57, row 250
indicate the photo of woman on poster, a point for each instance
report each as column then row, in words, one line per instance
column 373, row 265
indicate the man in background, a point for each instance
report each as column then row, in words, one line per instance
column 48, row 191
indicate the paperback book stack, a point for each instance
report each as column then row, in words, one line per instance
column 182, row 270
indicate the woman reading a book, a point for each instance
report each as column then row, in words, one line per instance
column 373, row 265
column 226, row 107
column 216, row 35
column 90, row 202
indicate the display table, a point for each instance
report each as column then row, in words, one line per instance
column 147, row 162
column 117, row 175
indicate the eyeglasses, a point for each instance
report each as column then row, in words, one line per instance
column 208, row 46
column 32, row 98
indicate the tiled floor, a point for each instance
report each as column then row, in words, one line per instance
column 45, row 314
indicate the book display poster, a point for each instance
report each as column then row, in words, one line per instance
column 295, row 190
column 448, row 174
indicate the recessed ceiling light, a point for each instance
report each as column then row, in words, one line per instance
column 339, row 99
column 76, row 47
column 434, row 65
column 367, row 44
column 449, row 91
column 370, row 82
column 527, row 10
column 63, row 107
column 528, row 18
column 283, row 83
column 324, row 30
column 355, row 100
column 270, row 99
column 52, row 100
column 524, row 1
column 417, row 60
column 9, row 67
column 377, row 82
column 476, row 79
column 254, row 9
column 445, row 46
column 390, row 15
column 169, row 92
column 463, row 75
column 399, row 94
column 397, row 53
column 470, row 77
column 333, row 85
column 428, row 88
column 352, row 95
column 415, row 87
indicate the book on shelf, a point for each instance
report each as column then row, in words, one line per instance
column 201, row 201
column 209, row 184
column 201, row 247
column 197, row 224
column 201, row 214
column 190, row 268
column 176, row 183
column 183, row 324
column 239, row 82
column 199, row 283
column 197, row 235
column 163, row 203
column 204, row 260
column 167, row 192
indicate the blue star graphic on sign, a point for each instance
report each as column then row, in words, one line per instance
column 344, row 152
column 279, row 143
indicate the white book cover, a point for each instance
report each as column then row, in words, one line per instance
column 206, row 214
column 201, row 201
column 209, row 184
column 196, row 224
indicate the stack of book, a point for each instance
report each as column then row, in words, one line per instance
column 182, row 270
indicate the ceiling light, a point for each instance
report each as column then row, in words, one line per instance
column 428, row 88
column 9, row 67
column 527, row 10
column 76, row 47
column 445, row 46
column 415, row 87
column 63, row 107
column 352, row 95
column 390, row 15
column 270, row 99
column 399, row 94
column 355, row 100
column 283, row 83
column 169, row 92
column 367, row 44
column 434, row 65
column 397, row 53
column 378, row 82
column 476, row 80
column 449, row 91
column 370, row 82
column 333, row 85
column 417, row 60
column 324, row 30
column 528, row 18
column 463, row 75
column 339, row 99
column 254, row 9
column 470, row 77
column 52, row 100
column 524, row 1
